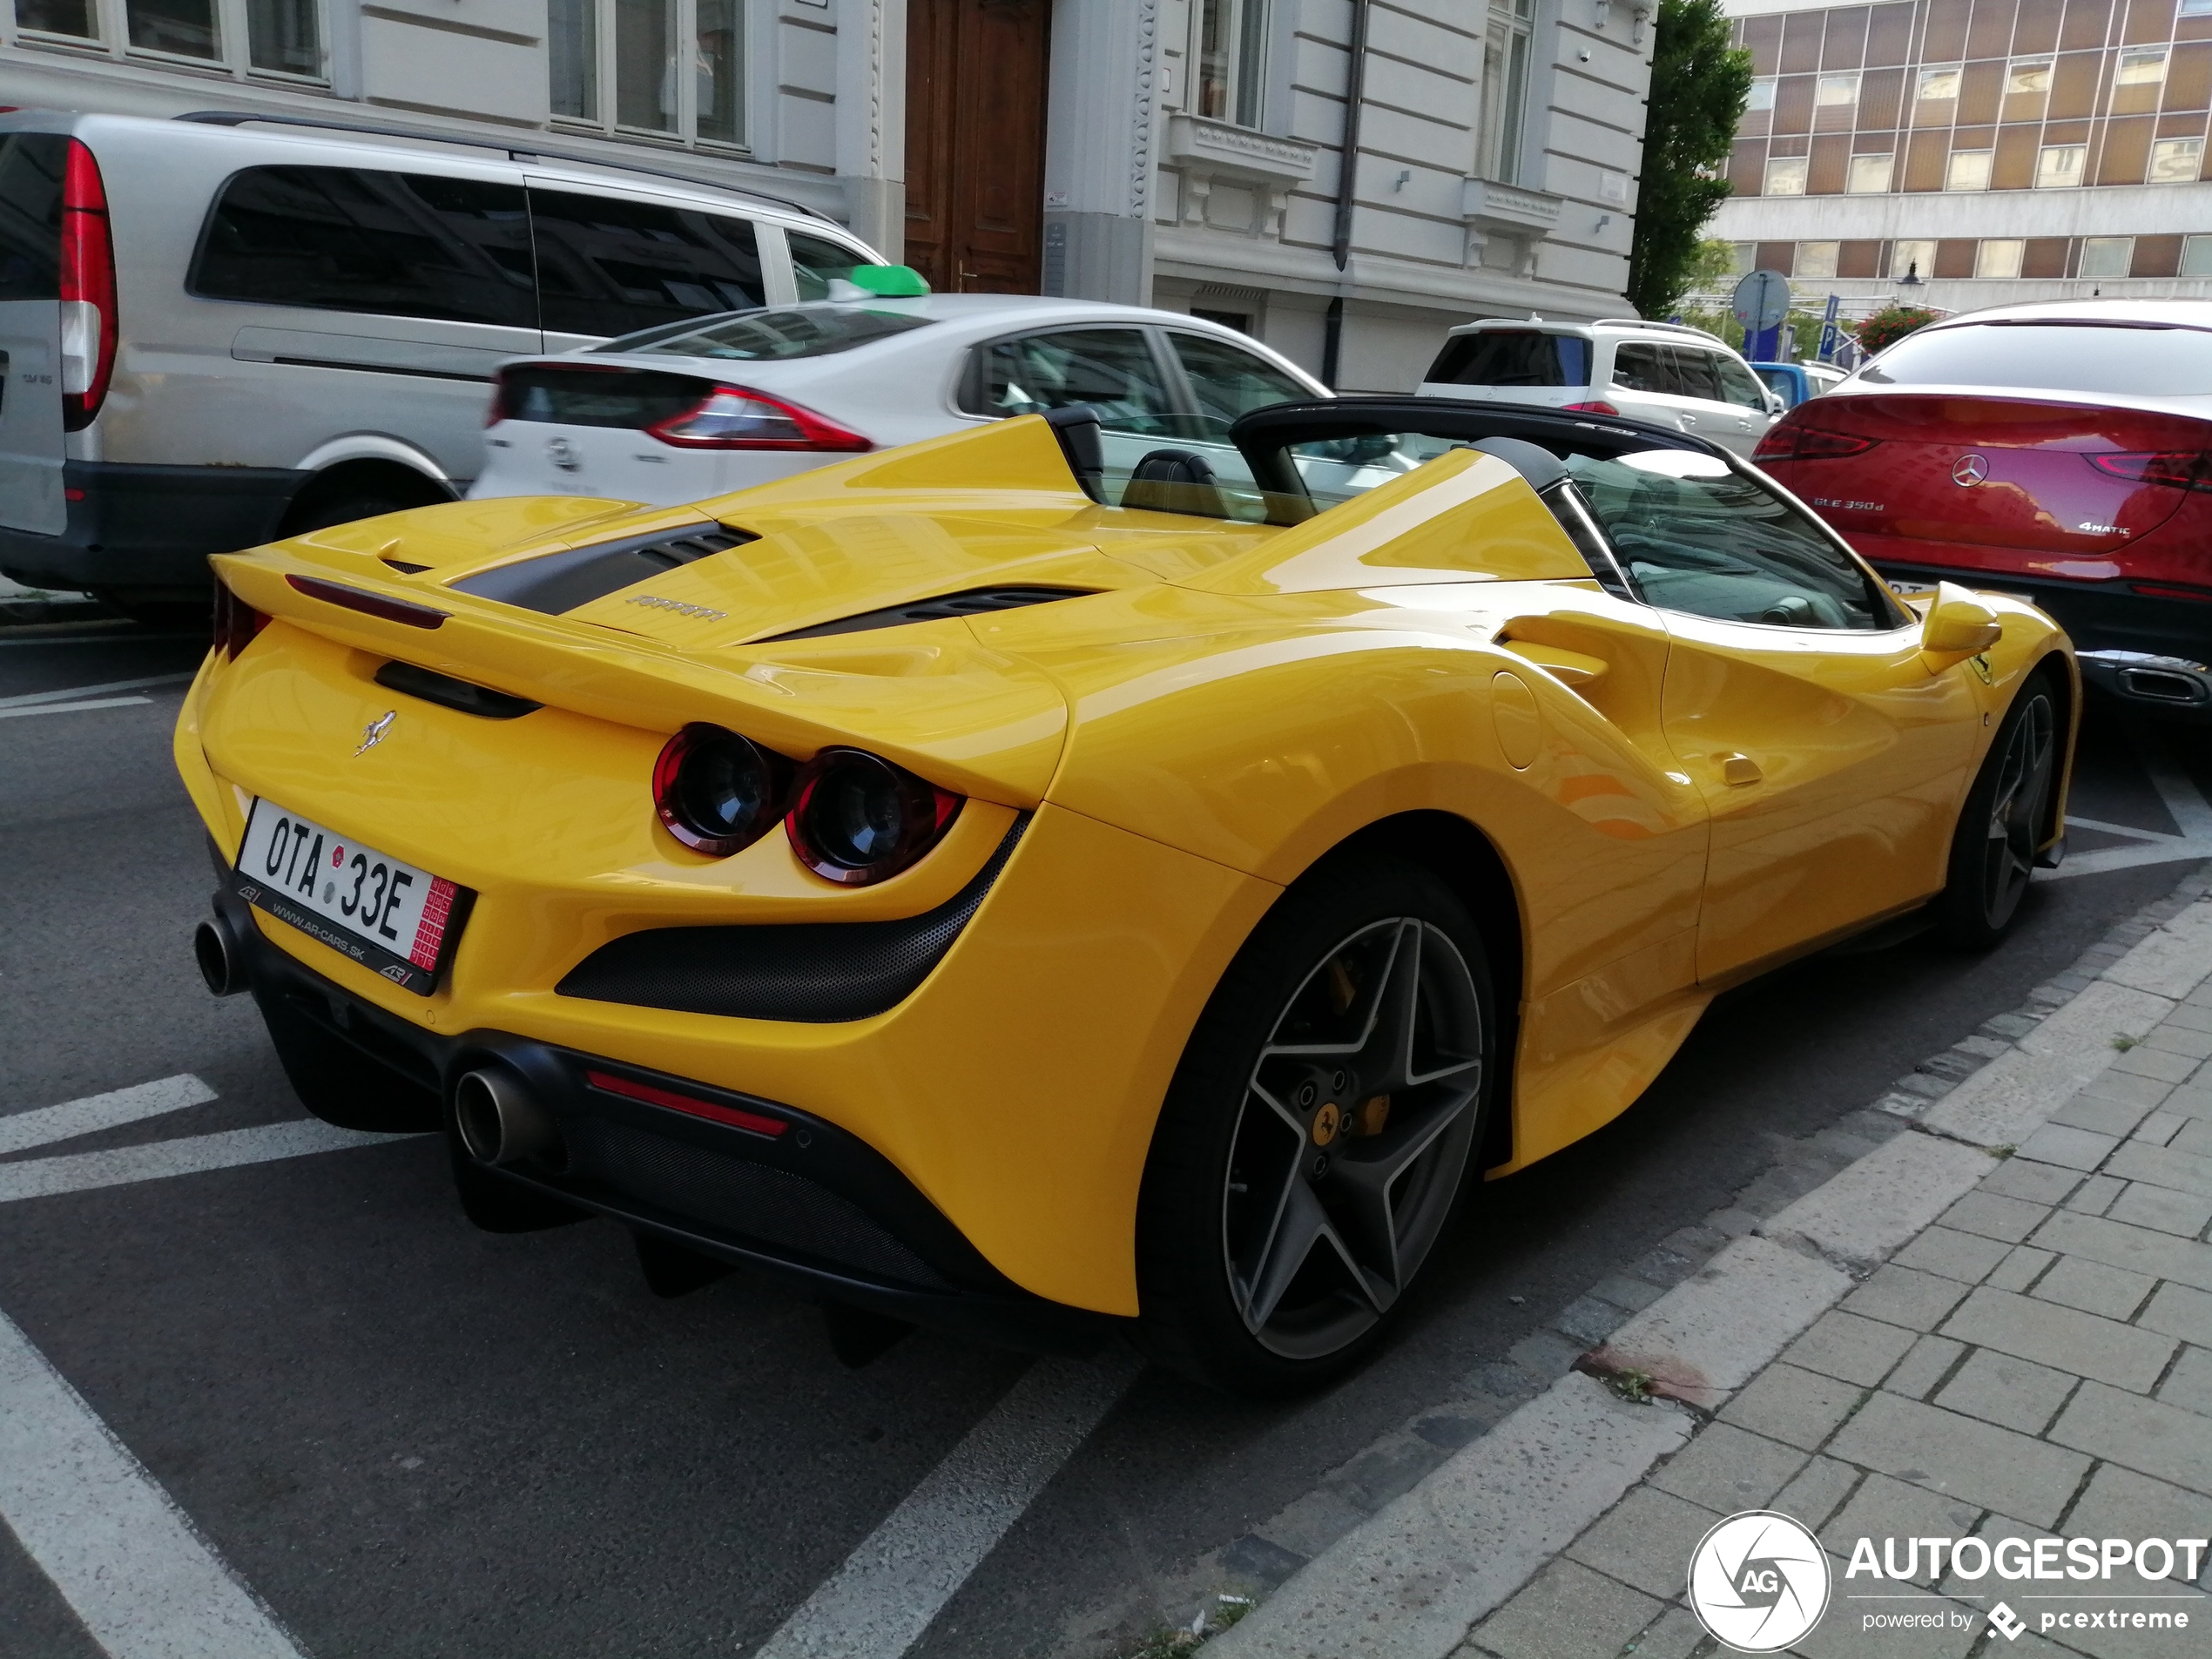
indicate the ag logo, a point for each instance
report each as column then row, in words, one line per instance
column 1758, row 1581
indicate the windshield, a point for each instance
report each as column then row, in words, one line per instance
column 2059, row 355
column 757, row 337
column 1187, row 464
column 1700, row 537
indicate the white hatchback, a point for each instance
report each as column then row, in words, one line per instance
column 1659, row 372
column 684, row 412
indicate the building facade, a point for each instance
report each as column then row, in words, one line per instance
column 1992, row 151
column 1186, row 153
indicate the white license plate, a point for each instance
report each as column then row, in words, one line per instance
column 367, row 905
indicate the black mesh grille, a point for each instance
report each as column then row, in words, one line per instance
column 812, row 973
column 558, row 582
column 734, row 1195
column 972, row 602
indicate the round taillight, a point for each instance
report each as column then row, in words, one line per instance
column 855, row 818
column 716, row 791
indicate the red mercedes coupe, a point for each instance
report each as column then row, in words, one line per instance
column 2061, row 450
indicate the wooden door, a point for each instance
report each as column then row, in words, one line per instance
column 976, row 72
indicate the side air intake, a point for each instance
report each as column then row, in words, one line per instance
column 554, row 582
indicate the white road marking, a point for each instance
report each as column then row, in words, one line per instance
column 73, row 708
column 128, row 1562
column 28, row 698
column 2191, row 814
column 883, row 1598
column 83, row 1171
column 97, row 1112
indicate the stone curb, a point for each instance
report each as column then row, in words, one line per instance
column 1411, row 1581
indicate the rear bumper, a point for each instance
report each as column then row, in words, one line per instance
column 146, row 532
column 814, row 1205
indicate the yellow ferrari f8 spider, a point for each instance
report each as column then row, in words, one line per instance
column 1038, row 880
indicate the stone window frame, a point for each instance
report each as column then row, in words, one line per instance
column 110, row 22
column 598, row 48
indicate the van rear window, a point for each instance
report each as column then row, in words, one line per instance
column 357, row 239
column 30, row 214
column 1513, row 357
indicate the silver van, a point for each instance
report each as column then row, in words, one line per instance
column 223, row 328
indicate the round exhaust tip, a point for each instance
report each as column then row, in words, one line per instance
column 501, row 1123
column 214, row 946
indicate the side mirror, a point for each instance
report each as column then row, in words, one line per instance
column 1959, row 626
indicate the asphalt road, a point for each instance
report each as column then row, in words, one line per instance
column 411, row 1437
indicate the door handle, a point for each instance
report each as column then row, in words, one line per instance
column 1738, row 769
column 1688, row 422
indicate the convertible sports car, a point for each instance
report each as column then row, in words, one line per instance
column 998, row 891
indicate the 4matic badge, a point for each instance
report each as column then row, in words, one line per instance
column 1758, row 1581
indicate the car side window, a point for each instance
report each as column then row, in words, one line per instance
column 816, row 262
column 356, row 238
column 1112, row 369
column 1701, row 537
column 1738, row 384
column 1639, row 366
column 1696, row 369
column 1226, row 381
column 611, row 267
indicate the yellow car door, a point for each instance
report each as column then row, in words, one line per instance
column 1832, row 761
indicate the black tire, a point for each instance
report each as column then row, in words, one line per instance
column 1992, row 851
column 344, row 509
column 340, row 1084
column 1285, row 1088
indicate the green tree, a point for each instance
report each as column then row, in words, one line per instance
column 1698, row 85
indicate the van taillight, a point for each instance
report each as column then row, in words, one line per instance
column 87, row 290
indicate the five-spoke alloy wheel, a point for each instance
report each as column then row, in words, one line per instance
column 1319, row 1134
column 2004, row 818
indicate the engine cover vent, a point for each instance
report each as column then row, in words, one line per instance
column 971, row 602
column 556, row 583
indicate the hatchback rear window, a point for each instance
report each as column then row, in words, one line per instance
column 1513, row 357
column 357, row 239
column 764, row 336
column 30, row 214
column 2058, row 355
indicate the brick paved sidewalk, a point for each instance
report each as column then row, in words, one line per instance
column 2037, row 1363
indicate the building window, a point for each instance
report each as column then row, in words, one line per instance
column 1504, row 87
column 1747, row 254
column 1914, row 258
column 2106, row 256
column 2058, row 165
column 1816, row 260
column 1869, row 175
column 1785, row 176
column 677, row 67
column 1762, row 90
column 2142, row 68
column 1969, row 169
column 1836, row 90
column 2196, row 8
column 1232, row 34
column 1938, row 81
column 274, row 37
column 2028, row 75
column 1999, row 257
column 2197, row 251
column 2176, row 161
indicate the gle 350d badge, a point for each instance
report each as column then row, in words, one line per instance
column 1758, row 1581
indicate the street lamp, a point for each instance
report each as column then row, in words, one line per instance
column 1911, row 277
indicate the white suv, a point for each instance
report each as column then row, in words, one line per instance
column 1658, row 372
